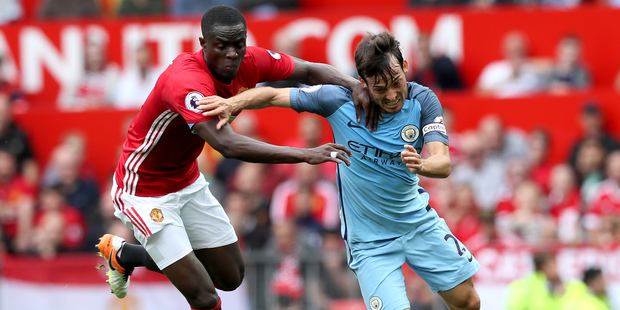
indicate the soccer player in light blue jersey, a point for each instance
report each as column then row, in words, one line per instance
column 386, row 217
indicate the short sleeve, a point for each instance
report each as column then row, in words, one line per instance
column 182, row 96
column 323, row 100
column 270, row 65
column 433, row 128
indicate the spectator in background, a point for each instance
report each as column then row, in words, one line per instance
column 79, row 191
column 462, row 215
column 287, row 283
column 484, row 175
column 567, row 73
column 267, row 7
column 590, row 294
column 17, row 206
column 197, row 7
column 58, row 226
column 541, row 290
column 516, row 174
column 308, row 200
column 489, row 236
column 513, row 76
column 592, row 124
column 249, row 215
column 74, row 143
column 437, row 72
column 500, row 142
column 14, row 140
column 337, row 282
column 589, row 167
column 527, row 219
column 255, row 179
column 537, row 158
column 136, row 83
column 95, row 86
column 604, row 208
column 565, row 204
column 58, row 9
column 141, row 7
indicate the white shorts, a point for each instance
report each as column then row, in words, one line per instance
column 194, row 219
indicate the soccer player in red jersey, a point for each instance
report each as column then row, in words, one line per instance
column 158, row 190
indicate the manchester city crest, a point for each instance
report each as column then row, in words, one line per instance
column 410, row 133
column 376, row 303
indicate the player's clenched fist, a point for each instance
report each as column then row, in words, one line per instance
column 411, row 158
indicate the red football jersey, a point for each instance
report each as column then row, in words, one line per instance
column 159, row 155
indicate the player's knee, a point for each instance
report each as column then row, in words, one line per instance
column 232, row 281
column 472, row 303
column 467, row 301
column 202, row 299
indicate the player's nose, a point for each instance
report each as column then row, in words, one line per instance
column 391, row 95
column 232, row 53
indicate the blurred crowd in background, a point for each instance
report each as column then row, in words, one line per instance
column 55, row 9
column 503, row 190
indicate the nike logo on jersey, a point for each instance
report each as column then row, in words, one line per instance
column 354, row 125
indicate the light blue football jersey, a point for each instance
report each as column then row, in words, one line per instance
column 378, row 194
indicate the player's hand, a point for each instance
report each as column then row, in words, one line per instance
column 328, row 152
column 411, row 158
column 217, row 106
column 361, row 99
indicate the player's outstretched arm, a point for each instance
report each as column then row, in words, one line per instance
column 314, row 73
column 256, row 98
column 437, row 165
column 233, row 145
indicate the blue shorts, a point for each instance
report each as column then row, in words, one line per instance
column 429, row 249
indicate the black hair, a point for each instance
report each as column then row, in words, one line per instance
column 591, row 274
column 221, row 15
column 541, row 259
column 373, row 56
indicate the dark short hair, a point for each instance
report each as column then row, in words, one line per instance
column 591, row 108
column 591, row 274
column 221, row 15
column 541, row 259
column 373, row 55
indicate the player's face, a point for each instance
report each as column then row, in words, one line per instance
column 224, row 48
column 389, row 95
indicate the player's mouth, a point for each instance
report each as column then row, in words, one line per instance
column 231, row 68
column 392, row 103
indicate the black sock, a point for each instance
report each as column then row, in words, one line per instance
column 134, row 255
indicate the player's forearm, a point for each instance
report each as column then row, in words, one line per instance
column 318, row 73
column 260, row 98
column 250, row 150
column 436, row 166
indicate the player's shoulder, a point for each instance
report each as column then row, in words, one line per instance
column 417, row 91
column 335, row 92
column 187, row 71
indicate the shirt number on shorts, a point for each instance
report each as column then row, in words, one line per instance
column 459, row 249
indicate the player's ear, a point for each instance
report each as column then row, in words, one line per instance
column 202, row 41
column 363, row 82
column 405, row 66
